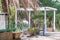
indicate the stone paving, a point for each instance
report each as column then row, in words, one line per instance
column 48, row 36
column 41, row 38
column 38, row 38
column 55, row 35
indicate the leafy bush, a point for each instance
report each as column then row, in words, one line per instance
column 32, row 28
column 19, row 26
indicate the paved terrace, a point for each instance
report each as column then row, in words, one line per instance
column 49, row 36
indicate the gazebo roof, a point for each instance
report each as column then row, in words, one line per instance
column 38, row 9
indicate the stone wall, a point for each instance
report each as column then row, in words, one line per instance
column 6, row 36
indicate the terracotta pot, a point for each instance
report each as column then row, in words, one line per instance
column 16, row 35
column 30, row 32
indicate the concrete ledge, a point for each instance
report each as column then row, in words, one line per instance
column 6, row 36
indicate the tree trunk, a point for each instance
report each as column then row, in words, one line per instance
column 50, row 20
column 26, row 13
column 4, row 5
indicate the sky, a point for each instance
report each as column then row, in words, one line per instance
column 55, row 0
column 59, row 0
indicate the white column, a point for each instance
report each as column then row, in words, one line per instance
column 2, row 21
column 54, row 21
column 45, row 22
column 16, row 19
column 29, row 18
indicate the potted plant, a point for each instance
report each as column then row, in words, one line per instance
column 32, row 30
column 17, row 33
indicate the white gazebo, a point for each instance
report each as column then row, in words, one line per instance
column 38, row 9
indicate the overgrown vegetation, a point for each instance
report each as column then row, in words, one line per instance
column 55, row 4
column 40, row 17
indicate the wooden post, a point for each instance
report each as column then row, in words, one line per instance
column 4, row 5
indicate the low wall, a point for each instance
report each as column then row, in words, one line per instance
column 6, row 36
